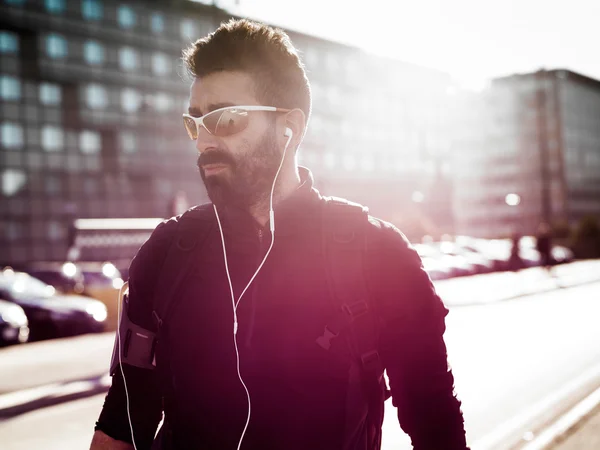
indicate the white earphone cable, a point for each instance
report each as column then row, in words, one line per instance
column 233, row 302
column 120, row 300
column 236, row 303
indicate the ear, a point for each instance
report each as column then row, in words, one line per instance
column 296, row 122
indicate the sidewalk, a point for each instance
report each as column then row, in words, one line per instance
column 584, row 436
column 501, row 286
column 50, row 372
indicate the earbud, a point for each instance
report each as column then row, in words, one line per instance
column 288, row 132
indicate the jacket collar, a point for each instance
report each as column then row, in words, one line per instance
column 291, row 214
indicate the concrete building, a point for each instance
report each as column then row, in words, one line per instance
column 91, row 96
column 534, row 135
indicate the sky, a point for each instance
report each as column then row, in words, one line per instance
column 473, row 40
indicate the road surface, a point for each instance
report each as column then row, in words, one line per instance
column 509, row 358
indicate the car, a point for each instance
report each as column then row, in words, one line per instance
column 436, row 269
column 99, row 280
column 476, row 260
column 14, row 327
column 497, row 255
column 454, row 265
column 50, row 314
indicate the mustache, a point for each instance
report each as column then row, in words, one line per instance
column 215, row 157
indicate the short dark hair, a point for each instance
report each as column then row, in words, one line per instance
column 265, row 53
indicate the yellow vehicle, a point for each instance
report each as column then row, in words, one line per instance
column 101, row 281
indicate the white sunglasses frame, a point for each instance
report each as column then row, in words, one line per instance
column 199, row 121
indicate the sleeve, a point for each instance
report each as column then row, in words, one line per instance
column 412, row 347
column 141, row 386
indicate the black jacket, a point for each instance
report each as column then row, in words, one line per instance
column 297, row 389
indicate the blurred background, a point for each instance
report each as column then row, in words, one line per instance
column 474, row 127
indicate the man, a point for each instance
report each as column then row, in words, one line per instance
column 253, row 352
column 543, row 245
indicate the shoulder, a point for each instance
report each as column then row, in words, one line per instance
column 380, row 234
column 151, row 254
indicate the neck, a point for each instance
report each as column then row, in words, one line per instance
column 287, row 183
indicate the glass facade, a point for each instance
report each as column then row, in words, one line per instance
column 55, row 6
column 96, row 96
column 9, row 42
column 56, row 46
column 93, row 53
column 10, row 88
column 90, row 123
column 12, row 135
column 126, row 16
column 50, row 94
column 157, row 22
column 128, row 58
column 92, row 9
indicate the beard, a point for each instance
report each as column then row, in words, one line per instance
column 247, row 180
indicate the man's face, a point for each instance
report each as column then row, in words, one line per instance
column 237, row 169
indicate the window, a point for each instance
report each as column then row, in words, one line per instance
column 91, row 9
column 12, row 181
column 367, row 164
column 128, row 58
column 52, row 185
column 160, row 64
column 349, row 162
column 56, row 46
column 126, row 16
column 187, row 29
column 93, row 53
column 56, row 231
column 162, row 102
column 55, row 6
column 12, row 135
column 52, row 138
column 96, row 96
column 10, row 88
column 157, row 22
column 329, row 160
column 89, row 142
column 130, row 100
column 9, row 42
column 128, row 142
column 50, row 94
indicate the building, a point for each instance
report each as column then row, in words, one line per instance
column 91, row 96
column 533, row 135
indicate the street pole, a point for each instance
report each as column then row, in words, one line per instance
column 542, row 138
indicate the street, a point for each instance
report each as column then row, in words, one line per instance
column 510, row 360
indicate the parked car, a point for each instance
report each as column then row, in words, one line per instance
column 488, row 249
column 50, row 314
column 101, row 281
column 456, row 265
column 14, row 327
column 478, row 262
column 436, row 269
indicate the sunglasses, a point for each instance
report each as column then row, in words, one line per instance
column 223, row 121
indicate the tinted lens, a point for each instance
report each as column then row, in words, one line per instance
column 227, row 122
column 190, row 127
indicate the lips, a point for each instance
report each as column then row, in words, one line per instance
column 210, row 169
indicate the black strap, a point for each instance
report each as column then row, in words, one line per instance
column 344, row 246
column 193, row 227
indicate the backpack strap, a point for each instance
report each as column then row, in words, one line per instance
column 344, row 246
column 344, row 226
column 193, row 228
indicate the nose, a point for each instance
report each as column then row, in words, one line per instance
column 205, row 140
